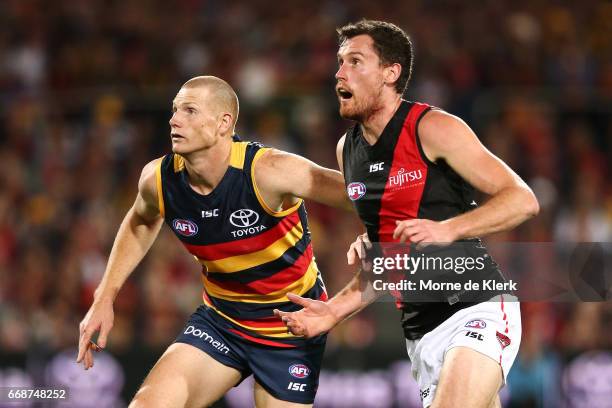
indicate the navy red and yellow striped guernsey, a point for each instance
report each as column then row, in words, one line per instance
column 251, row 255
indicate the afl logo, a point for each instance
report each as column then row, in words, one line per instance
column 476, row 324
column 186, row 228
column 299, row 371
column 244, row 218
column 356, row 190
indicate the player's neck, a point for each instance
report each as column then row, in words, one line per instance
column 376, row 122
column 207, row 167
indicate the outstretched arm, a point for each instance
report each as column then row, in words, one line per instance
column 136, row 234
column 319, row 317
column 511, row 201
column 282, row 176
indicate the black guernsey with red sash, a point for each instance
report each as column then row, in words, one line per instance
column 393, row 180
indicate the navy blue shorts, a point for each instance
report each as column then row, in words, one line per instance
column 289, row 374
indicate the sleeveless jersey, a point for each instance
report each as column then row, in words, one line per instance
column 251, row 255
column 393, row 180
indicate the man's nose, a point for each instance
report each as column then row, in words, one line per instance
column 341, row 73
column 173, row 120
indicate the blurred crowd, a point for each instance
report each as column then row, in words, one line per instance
column 85, row 96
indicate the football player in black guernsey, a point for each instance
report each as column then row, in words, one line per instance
column 238, row 208
column 411, row 170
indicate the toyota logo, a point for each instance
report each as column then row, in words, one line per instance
column 244, row 218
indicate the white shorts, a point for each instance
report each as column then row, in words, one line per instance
column 492, row 328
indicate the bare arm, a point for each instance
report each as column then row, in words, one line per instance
column 319, row 317
column 136, row 234
column 282, row 177
column 358, row 293
column 355, row 295
column 446, row 137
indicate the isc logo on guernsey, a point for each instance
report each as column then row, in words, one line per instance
column 356, row 190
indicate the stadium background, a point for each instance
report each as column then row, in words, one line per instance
column 85, row 94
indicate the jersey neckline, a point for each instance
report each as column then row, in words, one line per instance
column 394, row 125
column 214, row 191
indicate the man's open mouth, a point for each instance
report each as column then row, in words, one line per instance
column 343, row 93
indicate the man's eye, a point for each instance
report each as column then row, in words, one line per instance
column 190, row 110
column 354, row 61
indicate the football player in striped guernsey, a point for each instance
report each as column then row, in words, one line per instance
column 238, row 208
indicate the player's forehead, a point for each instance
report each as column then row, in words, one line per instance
column 360, row 44
column 196, row 95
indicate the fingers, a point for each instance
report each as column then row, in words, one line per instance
column 406, row 229
column 86, row 333
column 366, row 240
column 280, row 314
column 93, row 346
column 419, row 237
column 293, row 325
column 287, row 318
column 84, row 344
column 296, row 328
column 298, row 300
column 350, row 255
column 102, row 337
column 88, row 359
column 356, row 250
column 88, row 356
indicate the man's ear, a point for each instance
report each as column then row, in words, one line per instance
column 391, row 73
column 225, row 124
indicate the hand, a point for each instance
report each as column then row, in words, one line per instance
column 356, row 250
column 315, row 318
column 421, row 231
column 99, row 318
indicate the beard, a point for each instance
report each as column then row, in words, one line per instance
column 360, row 109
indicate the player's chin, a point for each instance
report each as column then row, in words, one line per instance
column 180, row 148
column 347, row 113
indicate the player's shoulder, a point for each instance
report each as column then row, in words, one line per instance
column 440, row 127
column 148, row 182
column 437, row 120
column 443, row 134
column 340, row 150
column 340, row 144
column 149, row 170
column 274, row 160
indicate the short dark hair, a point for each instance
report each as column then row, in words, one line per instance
column 391, row 44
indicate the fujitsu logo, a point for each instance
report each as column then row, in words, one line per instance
column 403, row 177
